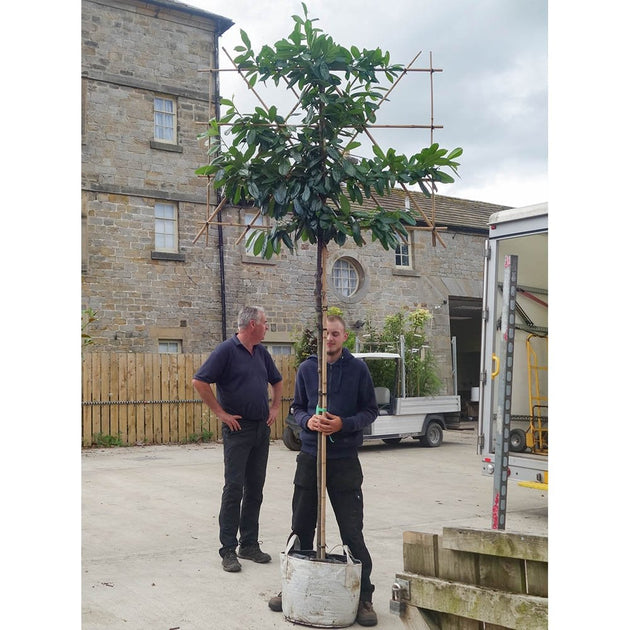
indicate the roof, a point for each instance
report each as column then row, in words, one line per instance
column 451, row 212
column 223, row 23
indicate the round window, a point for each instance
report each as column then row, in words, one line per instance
column 345, row 277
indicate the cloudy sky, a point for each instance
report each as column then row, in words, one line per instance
column 490, row 98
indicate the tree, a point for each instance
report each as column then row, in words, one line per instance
column 298, row 170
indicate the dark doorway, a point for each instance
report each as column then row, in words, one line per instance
column 465, row 322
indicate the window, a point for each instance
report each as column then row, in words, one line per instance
column 345, row 277
column 250, row 218
column 169, row 346
column 402, row 256
column 279, row 349
column 164, row 120
column 165, row 227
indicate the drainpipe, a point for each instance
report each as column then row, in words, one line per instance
column 217, row 113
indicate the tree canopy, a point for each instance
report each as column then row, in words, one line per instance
column 299, row 170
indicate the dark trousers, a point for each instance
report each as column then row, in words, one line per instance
column 245, row 455
column 343, row 484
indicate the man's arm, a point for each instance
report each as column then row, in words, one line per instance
column 276, row 399
column 207, row 395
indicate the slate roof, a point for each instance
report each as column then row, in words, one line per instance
column 451, row 212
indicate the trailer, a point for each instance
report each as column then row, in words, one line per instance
column 513, row 432
column 423, row 418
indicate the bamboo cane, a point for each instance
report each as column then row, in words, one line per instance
column 321, row 404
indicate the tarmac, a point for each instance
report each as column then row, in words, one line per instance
column 150, row 528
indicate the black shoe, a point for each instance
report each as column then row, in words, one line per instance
column 275, row 603
column 230, row 562
column 253, row 552
column 366, row 615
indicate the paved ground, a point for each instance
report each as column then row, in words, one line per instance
column 150, row 530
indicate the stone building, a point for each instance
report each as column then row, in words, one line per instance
column 147, row 94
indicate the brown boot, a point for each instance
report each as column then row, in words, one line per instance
column 366, row 615
column 275, row 603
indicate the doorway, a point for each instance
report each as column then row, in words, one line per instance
column 465, row 323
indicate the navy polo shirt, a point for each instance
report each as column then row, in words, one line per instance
column 241, row 378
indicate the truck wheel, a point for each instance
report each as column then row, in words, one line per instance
column 290, row 441
column 391, row 440
column 433, row 436
column 517, row 440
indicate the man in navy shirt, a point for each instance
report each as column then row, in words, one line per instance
column 242, row 369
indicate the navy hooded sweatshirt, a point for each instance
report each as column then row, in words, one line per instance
column 355, row 403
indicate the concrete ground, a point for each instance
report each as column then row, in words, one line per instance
column 150, row 529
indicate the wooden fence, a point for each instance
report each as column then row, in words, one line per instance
column 471, row 579
column 131, row 398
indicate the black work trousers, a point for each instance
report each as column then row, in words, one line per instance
column 245, row 455
column 343, row 484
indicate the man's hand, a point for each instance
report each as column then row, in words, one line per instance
column 232, row 422
column 273, row 414
column 325, row 423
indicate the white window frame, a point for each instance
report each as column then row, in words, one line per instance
column 345, row 277
column 166, row 227
column 169, row 346
column 279, row 349
column 164, row 120
column 402, row 256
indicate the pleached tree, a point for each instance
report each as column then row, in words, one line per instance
column 299, row 170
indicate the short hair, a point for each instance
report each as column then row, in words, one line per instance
column 336, row 318
column 247, row 313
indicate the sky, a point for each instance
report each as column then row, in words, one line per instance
column 490, row 97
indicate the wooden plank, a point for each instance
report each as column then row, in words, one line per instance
column 189, row 408
column 120, row 430
column 420, row 553
column 164, row 407
column 512, row 610
column 453, row 622
column 181, row 395
column 461, row 566
column 537, row 574
column 141, row 361
column 86, row 396
column 156, row 394
column 417, row 619
column 172, row 395
column 97, row 384
column 496, row 543
column 132, row 410
column 507, row 574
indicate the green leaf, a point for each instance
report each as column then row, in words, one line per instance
column 245, row 39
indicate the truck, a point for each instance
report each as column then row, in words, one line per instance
column 517, row 241
column 423, row 418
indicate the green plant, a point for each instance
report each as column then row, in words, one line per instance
column 205, row 435
column 421, row 378
column 88, row 316
column 104, row 440
column 306, row 344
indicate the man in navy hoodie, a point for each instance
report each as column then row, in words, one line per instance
column 351, row 406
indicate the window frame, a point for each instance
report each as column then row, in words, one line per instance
column 400, row 256
column 347, row 264
column 175, row 342
column 170, row 115
column 174, row 221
